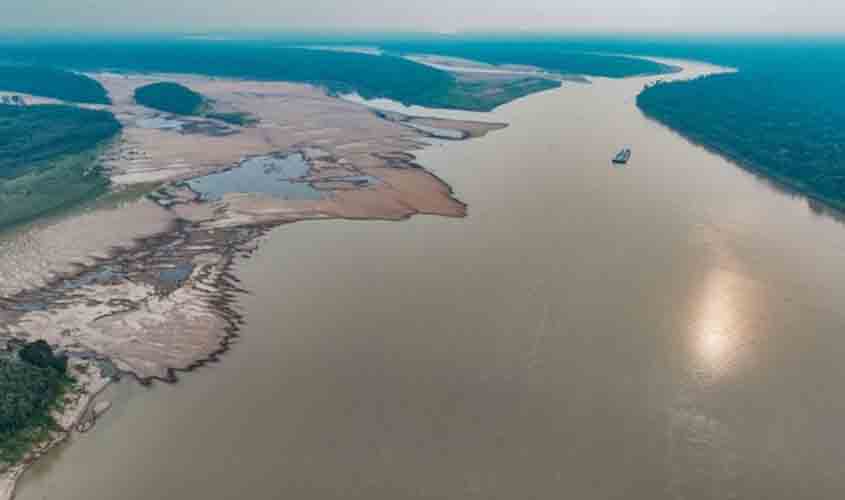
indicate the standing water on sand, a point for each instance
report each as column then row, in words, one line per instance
column 278, row 176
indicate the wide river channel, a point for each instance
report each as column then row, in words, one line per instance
column 670, row 329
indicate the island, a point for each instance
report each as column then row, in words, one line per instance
column 174, row 98
column 371, row 76
column 170, row 97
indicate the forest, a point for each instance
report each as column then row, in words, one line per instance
column 48, row 158
column 32, row 134
column 781, row 115
column 53, row 83
column 370, row 75
column 32, row 382
column 170, row 97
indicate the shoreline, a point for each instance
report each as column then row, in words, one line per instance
column 187, row 322
column 780, row 182
column 75, row 415
column 211, row 236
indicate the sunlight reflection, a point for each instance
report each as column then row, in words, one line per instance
column 715, row 346
column 718, row 323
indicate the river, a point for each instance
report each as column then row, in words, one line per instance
column 671, row 329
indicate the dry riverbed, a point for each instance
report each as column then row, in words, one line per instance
column 147, row 287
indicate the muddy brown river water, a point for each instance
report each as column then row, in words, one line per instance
column 671, row 329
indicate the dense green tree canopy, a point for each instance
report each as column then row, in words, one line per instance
column 33, row 134
column 28, row 393
column 39, row 354
column 48, row 158
column 782, row 114
column 170, row 97
column 372, row 76
column 51, row 82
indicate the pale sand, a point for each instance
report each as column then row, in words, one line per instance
column 152, row 330
column 93, row 282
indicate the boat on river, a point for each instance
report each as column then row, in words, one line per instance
column 622, row 157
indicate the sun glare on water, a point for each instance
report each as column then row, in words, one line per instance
column 719, row 325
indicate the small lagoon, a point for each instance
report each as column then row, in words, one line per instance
column 278, row 176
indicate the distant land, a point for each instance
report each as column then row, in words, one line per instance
column 32, row 379
column 370, row 75
column 53, row 83
column 781, row 115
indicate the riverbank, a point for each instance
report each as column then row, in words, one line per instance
column 583, row 322
column 761, row 119
column 163, row 299
column 77, row 414
column 148, row 285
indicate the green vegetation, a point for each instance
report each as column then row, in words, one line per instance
column 782, row 115
column 54, row 83
column 55, row 185
column 32, row 134
column 39, row 354
column 485, row 95
column 371, row 76
column 48, row 158
column 32, row 383
column 174, row 98
column 171, row 98
column 751, row 122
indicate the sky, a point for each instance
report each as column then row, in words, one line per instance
column 633, row 16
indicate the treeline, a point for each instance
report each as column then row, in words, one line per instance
column 32, row 382
column 53, row 83
column 370, row 75
column 48, row 158
column 782, row 115
column 170, row 97
column 30, row 135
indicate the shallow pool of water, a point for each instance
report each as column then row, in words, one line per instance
column 278, row 176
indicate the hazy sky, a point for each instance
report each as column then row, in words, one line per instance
column 779, row 16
